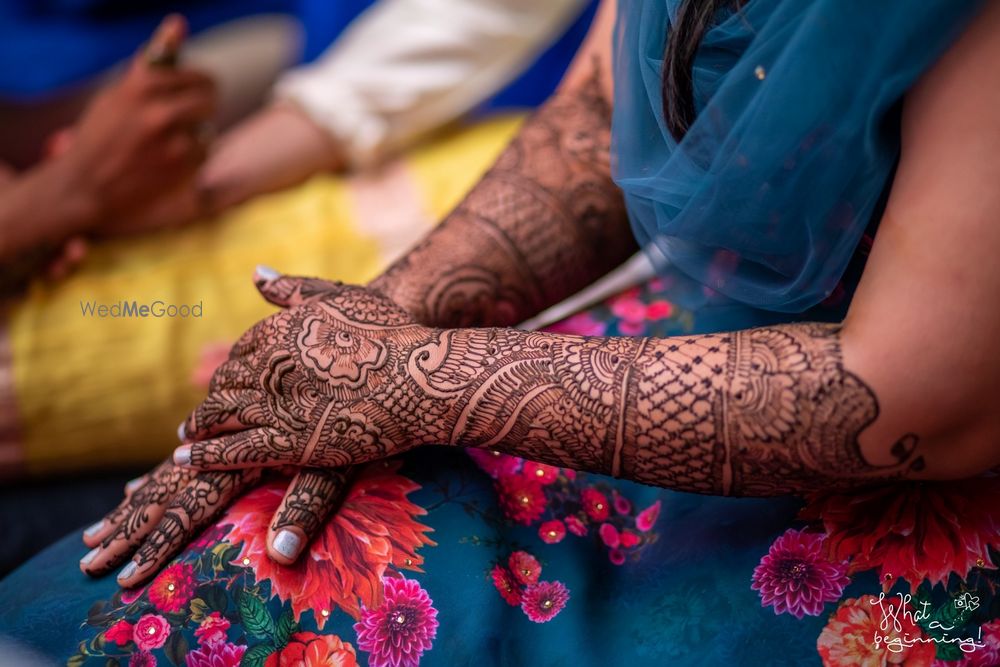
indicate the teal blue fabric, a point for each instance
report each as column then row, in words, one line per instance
column 764, row 200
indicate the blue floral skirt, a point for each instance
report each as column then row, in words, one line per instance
column 452, row 558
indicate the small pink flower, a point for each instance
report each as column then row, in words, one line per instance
column 401, row 629
column 628, row 306
column 494, row 463
column 609, row 535
column 659, row 310
column 575, row 526
column 581, row 324
column 595, row 504
column 628, row 539
column 120, row 633
column 542, row 601
column 616, row 556
column 525, row 567
column 630, row 328
column 216, row 654
column 647, row 518
column 569, row 473
column 545, row 474
column 506, row 584
column 795, row 577
column 622, row 504
column 212, row 629
column 552, row 532
column 151, row 632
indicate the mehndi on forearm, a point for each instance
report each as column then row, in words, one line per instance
column 544, row 222
column 758, row 412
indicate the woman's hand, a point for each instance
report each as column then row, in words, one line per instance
column 166, row 509
column 142, row 135
column 327, row 382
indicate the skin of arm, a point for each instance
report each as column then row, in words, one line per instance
column 543, row 223
column 905, row 388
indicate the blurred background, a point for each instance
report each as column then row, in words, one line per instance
column 157, row 151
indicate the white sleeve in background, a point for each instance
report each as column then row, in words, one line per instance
column 405, row 67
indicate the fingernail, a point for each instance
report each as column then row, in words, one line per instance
column 90, row 556
column 266, row 272
column 287, row 544
column 182, row 455
column 94, row 530
column 181, row 435
column 127, row 571
column 134, row 484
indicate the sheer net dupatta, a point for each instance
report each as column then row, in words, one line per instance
column 764, row 200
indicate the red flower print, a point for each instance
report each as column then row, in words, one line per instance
column 308, row 649
column 912, row 530
column 521, row 498
column 542, row 601
column 398, row 632
column 217, row 654
column 545, row 474
column 525, row 567
column 120, row 633
column 628, row 539
column 796, row 577
column 150, row 631
column 173, row 588
column 494, row 463
column 616, row 556
column 506, row 584
column 848, row 640
column 647, row 518
column 212, row 629
column 374, row 529
column 552, row 532
column 609, row 535
column 595, row 504
column 621, row 503
column 575, row 526
column 659, row 310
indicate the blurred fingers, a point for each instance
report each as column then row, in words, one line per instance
column 192, row 510
column 125, row 527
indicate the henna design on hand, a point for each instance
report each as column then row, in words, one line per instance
column 309, row 502
column 543, row 223
column 759, row 412
column 160, row 516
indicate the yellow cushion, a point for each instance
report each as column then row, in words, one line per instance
column 99, row 392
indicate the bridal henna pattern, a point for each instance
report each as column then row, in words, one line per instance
column 543, row 223
column 758, row 412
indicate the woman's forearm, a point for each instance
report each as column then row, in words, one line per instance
column 25, row 222
column 758, row 412
column 544, row 222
